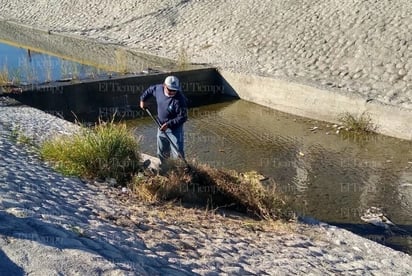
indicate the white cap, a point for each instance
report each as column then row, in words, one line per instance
column 172, row 83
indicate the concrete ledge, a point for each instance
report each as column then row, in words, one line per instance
column 315, row 103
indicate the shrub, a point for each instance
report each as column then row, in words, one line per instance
column 361, row 124
column 214, row 188
column 106, row 151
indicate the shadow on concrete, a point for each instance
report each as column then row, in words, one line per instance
column 61, row 200
column 8, row 267
column 33, row 229
column 392, row 236
column 227, row 87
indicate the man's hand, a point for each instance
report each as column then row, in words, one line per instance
column 163, row 127
column 142, row 105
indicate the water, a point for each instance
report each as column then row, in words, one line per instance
column 327, row 176
column 20, row 65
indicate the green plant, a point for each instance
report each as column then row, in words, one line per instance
column 106, row 151
column 361, row 124
column 23, row 139
column 18, row 136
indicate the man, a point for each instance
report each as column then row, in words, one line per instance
column 171, row 113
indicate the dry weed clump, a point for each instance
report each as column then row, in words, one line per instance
column 358, row 124
column 214, row 189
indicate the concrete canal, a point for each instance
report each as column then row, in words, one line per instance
column 327, row 176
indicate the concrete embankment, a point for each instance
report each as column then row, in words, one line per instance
column 345, row 47
column 354, row 46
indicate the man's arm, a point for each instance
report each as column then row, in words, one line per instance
column 146, row 94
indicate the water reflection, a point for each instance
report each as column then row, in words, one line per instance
column 330, row 177
column 24, row 66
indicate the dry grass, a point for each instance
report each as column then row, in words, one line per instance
column 4, row 76
column 214, row 189
column 361, row 124
column 358, row 129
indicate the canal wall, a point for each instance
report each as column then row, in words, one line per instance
column 92, row 99
column 317, row 103
column 355, row 46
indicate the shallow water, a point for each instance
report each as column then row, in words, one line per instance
column 327, row 176
column 25, row 66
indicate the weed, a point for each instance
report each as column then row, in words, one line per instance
column 213, row 188
column 361, row 124
column 18, row 136
column 23, row 139
column 105, row 151
column 4, row 76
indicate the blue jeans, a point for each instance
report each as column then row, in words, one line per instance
column 164, row 149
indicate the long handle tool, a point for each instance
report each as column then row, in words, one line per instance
column 188, row 168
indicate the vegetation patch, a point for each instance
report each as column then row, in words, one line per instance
column 4, row 76
column 18, row 136
column 106, row 151
column 110, row 151
column 361, row 124
column 214, row 189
